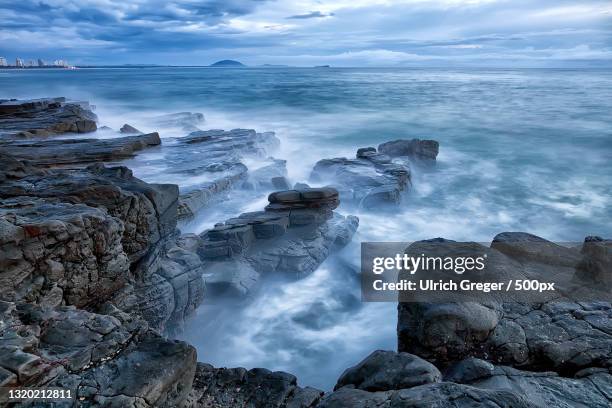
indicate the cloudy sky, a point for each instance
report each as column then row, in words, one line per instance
column 310, row 32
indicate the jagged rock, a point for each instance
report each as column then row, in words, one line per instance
column 596, row 264
column 186, row 120
column 44, row 117
column 63, row 152
column 128, row 129
column 213, row 159
column 270, row 176
column 168, row 284
column 107, row 359
column 370, row 180
column 70, row 252
column 295, row 233
column 148, row 211
column 415, row 149
column 388, row 370
column 538, row 336
column 241, row 388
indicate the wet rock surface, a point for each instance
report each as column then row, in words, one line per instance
column 241, row 388
column 369, row 180
column 44, row 117
column 77, row 152
column 291, row 237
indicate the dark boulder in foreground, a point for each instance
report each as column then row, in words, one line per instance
column 528, row 335
column 45, row 117
column 241, row 388
column 107, row 359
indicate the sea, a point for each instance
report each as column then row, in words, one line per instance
column 520, row 150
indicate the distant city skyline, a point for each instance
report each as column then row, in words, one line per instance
column 517, row 33
column 31, row 62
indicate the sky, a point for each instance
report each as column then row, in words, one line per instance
column 495, row 33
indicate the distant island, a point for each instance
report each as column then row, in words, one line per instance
column 227, row 63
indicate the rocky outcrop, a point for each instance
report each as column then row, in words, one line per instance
column 71, row 152
column 295, row 233
column 188, row 121
column 109, row 359
column 415, row 149
column 502, row 387
column 210, row 163
column 241, row 388
column 44, row 117
column 370, row 180
column 535, row 336
column 129, row 129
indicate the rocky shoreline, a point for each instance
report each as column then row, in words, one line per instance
column 96, row 276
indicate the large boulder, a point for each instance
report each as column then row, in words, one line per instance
column 538, row 335
column 388, row 370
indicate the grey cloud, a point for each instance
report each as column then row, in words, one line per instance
column 312, row 14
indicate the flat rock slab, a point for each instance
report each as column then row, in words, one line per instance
column 79, row 152
column 44, row 117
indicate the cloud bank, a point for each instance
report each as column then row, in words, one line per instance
column 310, row 32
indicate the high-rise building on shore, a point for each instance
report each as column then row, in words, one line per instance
column 19, row 62
column 41, row 63
column 3, row 62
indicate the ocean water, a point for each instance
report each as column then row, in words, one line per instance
column 520, row 150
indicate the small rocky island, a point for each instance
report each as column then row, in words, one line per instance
column 227, row 63
column 96, row 277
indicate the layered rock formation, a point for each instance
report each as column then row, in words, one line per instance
column 292, row 236
column 375, row 178
column 44, row 117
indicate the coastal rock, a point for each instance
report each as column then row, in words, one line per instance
column 415, row 149
column 109, row 359
column 370, row 180
column 59, row 253
column 295, row 233
column 241, row 388
column 64, row 152
column 44, row 117
column 128, row 129
column 214, row 159
column 596, row 263
column 528, row 335
column 388, row 380
column 168, row 284
column 148, row 211
column 188, row 121
column 388, row 370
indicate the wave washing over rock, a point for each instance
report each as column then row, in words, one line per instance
column 96, row 277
